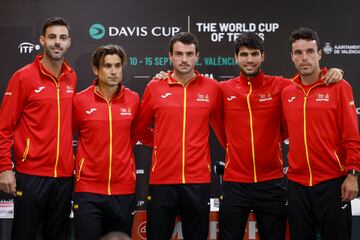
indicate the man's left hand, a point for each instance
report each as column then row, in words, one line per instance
column 333, row 75
column 349, row 188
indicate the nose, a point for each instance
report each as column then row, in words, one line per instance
column 57, row 41
column 304, row 57
column 184, row 58
column 113, row 70
column 249, row 59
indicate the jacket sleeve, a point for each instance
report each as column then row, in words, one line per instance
column 75, row 122
column 11, row 108
column 283, row 83
column 283, row 124
column 349, row 127
column 140, row 130
column 216, row 119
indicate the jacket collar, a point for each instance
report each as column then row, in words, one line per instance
column 65, row 68
column 297, row 78
column 117, row 95
column 173, row 81
column 256, row 81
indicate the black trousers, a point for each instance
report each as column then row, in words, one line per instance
column 97, row 214
column 319, row 209
column 42, row 201
column 190, row 201
column 267, row 200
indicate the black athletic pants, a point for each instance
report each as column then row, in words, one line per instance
column 319, row 209
column 42, row 201
column 98, row 214
column 190, row 201
column 267, row 200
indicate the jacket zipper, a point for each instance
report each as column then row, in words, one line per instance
column 227, row 155
column 110, row 148
column 26, row 151
column 81, row 165
column 155, row 159
column 57, row 84
column 338, row 160
column 183, row 138
column 305, row 132
column 251, row 130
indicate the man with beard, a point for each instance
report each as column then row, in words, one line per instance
column 35, row 117
column 253, row 178
column 182, row 107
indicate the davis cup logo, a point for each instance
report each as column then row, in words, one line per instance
column 142, row 230
column 97, row 31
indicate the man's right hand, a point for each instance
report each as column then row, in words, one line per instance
column 162, row 75
column 8, row 182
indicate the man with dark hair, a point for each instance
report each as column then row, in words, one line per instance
column 104, row 198
column 35, row 117
column 182, row 107
column 253, row 178
column 324, row 156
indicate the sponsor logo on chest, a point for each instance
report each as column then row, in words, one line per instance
column 322, row 97
column 39, row 89
column 202, row 97
column 69, row 89
column 231, row 98
column 265, row 97
column 90, row 111
column 125, row 111
column 165, row 95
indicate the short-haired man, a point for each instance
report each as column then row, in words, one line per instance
column 324, row 156
column 182, row 107
column 36, row 116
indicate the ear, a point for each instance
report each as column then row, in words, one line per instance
column 42, row 40
column 262, row 57
column 236, row 58
column 95, row 70
column 320, row 54
column 69, row 44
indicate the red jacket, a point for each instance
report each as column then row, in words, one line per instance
column 323, row 131
column 104, row 160
column 252, row 120
column 182, row 115
column 36, row 116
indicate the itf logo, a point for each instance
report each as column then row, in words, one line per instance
column 97, row 31
column 27, row 47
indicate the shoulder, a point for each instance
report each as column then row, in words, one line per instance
column 227, row 83
column 130, row 93
column 84, row 93
column 206, row 82
column 279, row 81
column 27, row 71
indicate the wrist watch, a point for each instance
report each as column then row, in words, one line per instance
column 353, row 172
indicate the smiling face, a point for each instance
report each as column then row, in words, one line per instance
column 306, row 56
column 249, row 61
column 109, row 73
column 56, row 41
